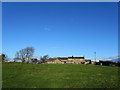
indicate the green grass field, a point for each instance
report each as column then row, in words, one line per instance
column 17, row 75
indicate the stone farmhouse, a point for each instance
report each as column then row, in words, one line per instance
column 70, row 60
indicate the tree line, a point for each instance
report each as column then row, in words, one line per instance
column 26, row 55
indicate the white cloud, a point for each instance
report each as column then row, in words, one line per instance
column 111, row 58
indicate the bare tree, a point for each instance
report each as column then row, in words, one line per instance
column 18, row 56
column 25, row 54
column 29, row 51
column 44, row 58
column 22, row 54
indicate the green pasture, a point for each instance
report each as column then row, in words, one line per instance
column 18, row 75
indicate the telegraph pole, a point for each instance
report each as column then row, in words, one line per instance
column 95, row 56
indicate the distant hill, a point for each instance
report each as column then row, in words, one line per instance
column 116, row 60
column 113, row 60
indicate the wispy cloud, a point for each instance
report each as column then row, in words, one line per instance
column 47, row 29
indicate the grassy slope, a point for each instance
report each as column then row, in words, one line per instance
column 16, row 75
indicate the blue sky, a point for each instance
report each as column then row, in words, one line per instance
column 61, row 29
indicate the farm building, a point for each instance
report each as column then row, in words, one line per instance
column 95, row 61
column 87, row 61
column 109, row 63
column 70, row 60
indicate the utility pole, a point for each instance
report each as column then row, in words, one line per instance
column 84, row 56
column 95, row 56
